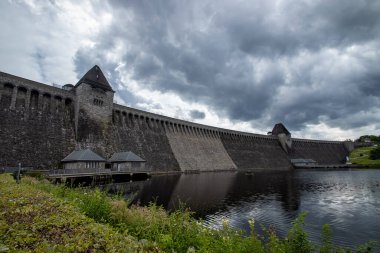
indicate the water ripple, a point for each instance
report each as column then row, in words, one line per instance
column 347, row 200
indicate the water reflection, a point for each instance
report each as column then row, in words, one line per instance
column 348, row 200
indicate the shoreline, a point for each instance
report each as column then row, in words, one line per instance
column 39, row 216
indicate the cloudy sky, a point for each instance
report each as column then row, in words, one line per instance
column 245, row 65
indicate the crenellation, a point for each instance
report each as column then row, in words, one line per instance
column 203, row 134
column 27, row 99
column 195, row 132
column 204, row 131
column 153, row 124
column 147, row 123
column 59, row 104
column 130, row 120
column 46, row 102
column 123, row 119
column 69, row 110
column 142, row 122
column 39, row 100
column 14, row 97
column 127, row 120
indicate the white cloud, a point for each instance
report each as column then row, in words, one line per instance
column 43, row 37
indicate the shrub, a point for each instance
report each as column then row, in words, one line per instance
column 95, row 205
column 375, row 153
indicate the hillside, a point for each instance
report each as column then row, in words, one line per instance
column 362, row 156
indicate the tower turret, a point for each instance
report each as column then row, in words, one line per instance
column 283, row 135
column 94, row 104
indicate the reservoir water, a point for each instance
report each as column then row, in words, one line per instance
column 347, row 200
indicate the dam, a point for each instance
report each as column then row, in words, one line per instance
column 41, row 124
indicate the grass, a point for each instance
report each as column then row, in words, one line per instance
column 36, row 216
column 33, row 220
column 361, row 156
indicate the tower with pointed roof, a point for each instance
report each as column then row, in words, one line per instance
column 284, row 136
column 94, row 104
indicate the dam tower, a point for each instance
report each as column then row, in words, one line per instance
column 94, row 104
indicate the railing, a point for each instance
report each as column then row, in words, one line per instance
column 84, row 172
column 79, row 171
column 14, row 169
column 131, row 170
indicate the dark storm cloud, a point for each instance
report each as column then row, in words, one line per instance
column 85, row 59
column 269, row 31
column 195, row 114
column 301, row 62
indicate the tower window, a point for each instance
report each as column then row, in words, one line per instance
column 98, row 102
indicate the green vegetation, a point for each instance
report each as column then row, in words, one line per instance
column 364, row 155
column 375, row 153
column 372, row 138
column 36, row 216
column 33, row 220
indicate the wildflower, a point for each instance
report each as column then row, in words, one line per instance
column 225, row 222
column 191, row 250
column 251, row 221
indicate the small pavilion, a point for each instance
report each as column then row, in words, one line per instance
column 127, row 161
column 85, row 159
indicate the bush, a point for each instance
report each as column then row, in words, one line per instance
column 95, row 205
column 375, row 153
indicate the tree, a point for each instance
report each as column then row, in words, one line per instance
column 372, row 138
column 375, row 153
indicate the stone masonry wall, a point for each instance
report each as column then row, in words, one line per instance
column 251, row 153
column 41, row 124
column 93, row 118
column 197, row 151
column 37, row 123
column 146, row 138
column 322, row 152
column 98, row 104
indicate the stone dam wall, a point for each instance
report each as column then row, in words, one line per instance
column 36, row 123
column 255, row 152
column 146, row 138
column 41, row 124
column 324, row 152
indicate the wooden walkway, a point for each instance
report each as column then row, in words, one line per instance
column 54, row 174
column 328, row 166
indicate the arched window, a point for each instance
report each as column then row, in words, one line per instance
column 46, row 98
column 34, row 99
column 98, row 102
column 21, row 97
